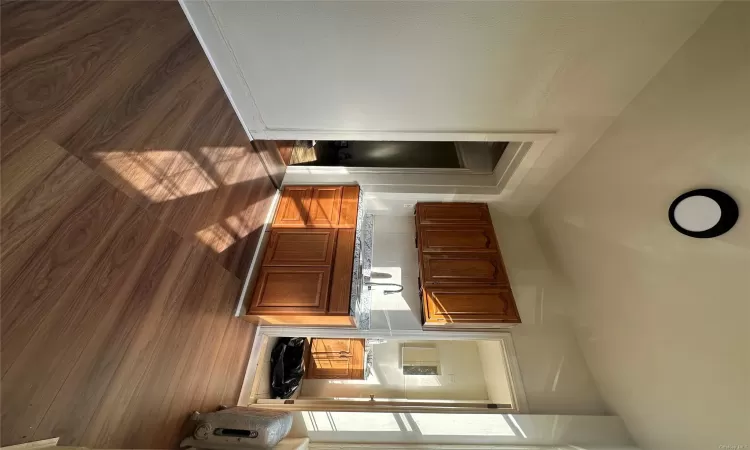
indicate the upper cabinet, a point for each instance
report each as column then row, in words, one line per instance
column 457, row 238
column 463, row 268
column 452, row 214
column 317, row 207
column 463, row 282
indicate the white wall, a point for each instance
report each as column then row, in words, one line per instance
column 461, row 376
column 495, row 371
column 394, row 254
column 570, row 67
column 663, row 318
column 554, row 374
column 579, row 432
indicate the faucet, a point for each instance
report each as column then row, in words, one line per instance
column 370, row 284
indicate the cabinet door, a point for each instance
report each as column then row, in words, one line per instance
column 463, row 268
column 295, row 247
column 301, row 290
column 336, row 358
column 341, row 276
column 294, row 207
column 325, row 207
column 349, row 207
column 452, row 214
column 461, row 238
column 444, row 305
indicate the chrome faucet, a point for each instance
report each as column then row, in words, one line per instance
column 370, row 284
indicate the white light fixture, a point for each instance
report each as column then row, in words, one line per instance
column 703, row 213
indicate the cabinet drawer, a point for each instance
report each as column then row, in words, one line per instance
column 463, row 268
column 291, row 290
column 300, row 247
column 457, row 238
column 468, row 305
column 452, row 214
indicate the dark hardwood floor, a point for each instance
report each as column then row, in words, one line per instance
column 132, row 201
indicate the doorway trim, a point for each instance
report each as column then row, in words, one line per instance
column 517, row 161
column 263, row 333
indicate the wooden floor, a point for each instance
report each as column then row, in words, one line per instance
column 132, row 201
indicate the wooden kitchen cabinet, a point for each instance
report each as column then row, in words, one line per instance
column 306, row 273
column 452, row 214
column 457, row 238
column 468, row 306
column 317, row 207
column 349, row 207
column 336, row 359
column 463, row 268
column 294, row 207
column 300, row 247
column 463, row 282
column 300, row 289
column 325, row 206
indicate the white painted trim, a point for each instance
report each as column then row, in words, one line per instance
column 44, row 443
column 518, row 166
column 513, row 372
column 249, row 382
column 331, row 332
column 393, row 406
column 516, row 162
column 208, row 31
column 395, row 135
column 263, row 332
column 338, row 170
column 251, row 270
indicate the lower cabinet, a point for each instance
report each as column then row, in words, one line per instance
column 280, row 288
column 461, row 306
column 463, row 282
column 342, row 359
column 306, row 273
column 463, row 268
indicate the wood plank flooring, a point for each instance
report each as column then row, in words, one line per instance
column 132, row 201
column 126, row 88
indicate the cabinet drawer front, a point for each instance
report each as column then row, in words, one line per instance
column 291, row 290
column 452, row 213
column 463, row 268
column 464, row 304
column 457, row 239
column 336, row 358
column 304, row 247
column 294, row 207
column 325, row 206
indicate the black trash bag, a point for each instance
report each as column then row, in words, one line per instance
column 287, row 366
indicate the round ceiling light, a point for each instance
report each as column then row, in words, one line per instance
column 703, row 213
